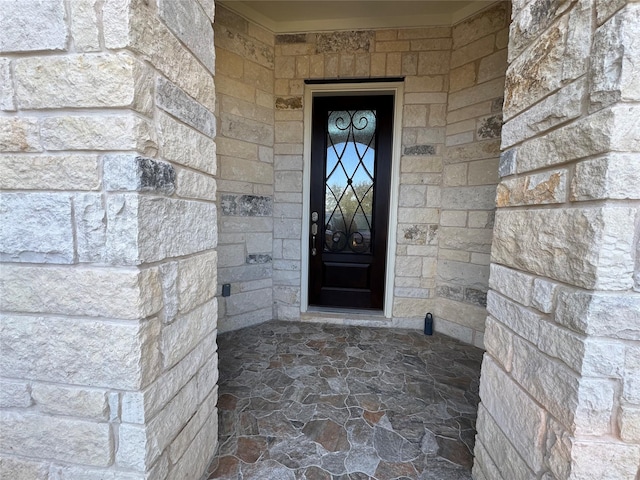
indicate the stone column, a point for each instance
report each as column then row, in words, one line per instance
column 108, row 364
column 560, row 384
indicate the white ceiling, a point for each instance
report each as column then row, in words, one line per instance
column 290, row 16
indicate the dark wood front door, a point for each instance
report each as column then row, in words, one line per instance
column 351, row 149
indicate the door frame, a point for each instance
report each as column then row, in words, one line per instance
column 396, row 89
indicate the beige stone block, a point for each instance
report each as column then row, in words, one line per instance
column 84, row 26
column 288, row 132
column 316, row 66
column 431, row 44
column 610, row 129
column 483, row 172
column 612, row 176
column 224, row 16
column 454, row 255
column 469, row 198
column 386, row 35
column 498, row 342
column 393, row 46
column 332, row 63
column 71, row 401
column 425, row 83
column 467, row 274
column 262, row 34
column 558, row 108
column 473, row 51
column 411, row 307
column 29, row 26
column 462, row 77
column 511, row 283
column 245, row 46
column 409, row 64
column 7, row 91
column 538, row 189
column 394, row 64
column 190, row 184
column 229, row 64
column 418, row 215
column 500, row 394
column 485, row 91
column 481, row 219
column 592, row 247
column 347, row 65
column 249, row 110
column 411, row 164
column 453, row 329
column 629, row 424
column 186, row 146
column 453, row 218
column 481, row 24
column 98, row 132
column 521, row 320
column 408, row 267
column 459, row 139
column 604, row 459
column 425, row 32
column 66, row 172
column 285, row 67
column 13, row 468
column 264, row 99
column 258, row 76
column 631, row 382
column 187, row 331
column 462, row 314
column 196, row 281
column 543, row 295
column 20, row 134
column 508, row 461
column 59, row 438
column 475, row 151
column 415, row 116
column 235, row 88
column 103, row 292
column 434, row 62
column 246, row 129
column 455, row 175
column 493, row 66
column 595, row 410
column 302, row 66
column 472, row 111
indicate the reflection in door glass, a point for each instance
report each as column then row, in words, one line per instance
column 349, row 181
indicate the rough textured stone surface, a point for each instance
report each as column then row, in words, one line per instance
column 7, row 92
column 588, row 257
column 72, row 401
column 537, row 189
column 246, row 205
column 189, row 23
column 343, row 42
column 131, row 172
column 59, row 438
column 36, row 228
column 68, row 350
column 19, row 134
column 81, row 81
column 618, row 460
column 66, row 172
column 14, row 394
column 85, row 26
column 513, row 284
column 176, row 102
column 613, row 176
column 33, row 25
column 20, row 469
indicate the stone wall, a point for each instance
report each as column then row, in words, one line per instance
column 245, row 107
column 470, row 173
column 560, row 379
column 108, row 234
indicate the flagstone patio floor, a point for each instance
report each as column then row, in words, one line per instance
column 305, row 401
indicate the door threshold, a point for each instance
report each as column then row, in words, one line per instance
column 343, row 315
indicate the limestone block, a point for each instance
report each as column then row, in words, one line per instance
column 198, row 456
column 511, row 283
column 484, row 23
column 7, row 92
column 186, row 226
column 140, row 407
column 606, row 8
column 603, row 358
column 629, row 424
column 473, row 51
column 176, row 102
column 631, row 386
column 498, row 343
column 501, row 395
column 416, row 86
column 483, row 172
column 132, row 447
column 485, row 91
column 462, row 77
column 288, row 132
column 408, row 267
column 185, row 146
column 246, row 109
column 90, row 221
column 36, row 228
column 20, row 134
column 413, row 33
column 72, row 350
column 538, row 189
column 612, row 176
column 467, row 239
column 412, row 307
column 20, row 469
column 136, row 173
column 196, row 280
column 288, row 181
column 33, row 25
column 469, row 198
column 459, row 273
column 598, row 459
column 521, row 320
column 138, row 26
column 558, row 448
column 507, row 459
column 84, row 26
column 245, row 46
column 122, row 243
column 453, row 218
column 610, row 129
column 98, row 132
column 189, row 22
column 58, row 438
column 614, row 68
column 461, row 314
column 71, row 401
column 562, row 106
column 66, row 172
column 599, row 314
column 181, row 336
column 507, row 165
column 195, row 185
column 474, row 151
column 595, row 410
column 543, row 294
column 483, row 462
column 432, row 62
column 587, row 247
column 14, row 394
column 551, row 383
column 481, row 219
column 493, row 66
column 85, row 80
column 100, row 292
column 71, row 472
column 241, row 128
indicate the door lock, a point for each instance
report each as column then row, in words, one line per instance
column 314, row 232
column 314, row 216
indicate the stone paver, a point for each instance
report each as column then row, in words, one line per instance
column 309, row 401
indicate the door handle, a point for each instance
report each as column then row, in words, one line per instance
column 314, row 232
